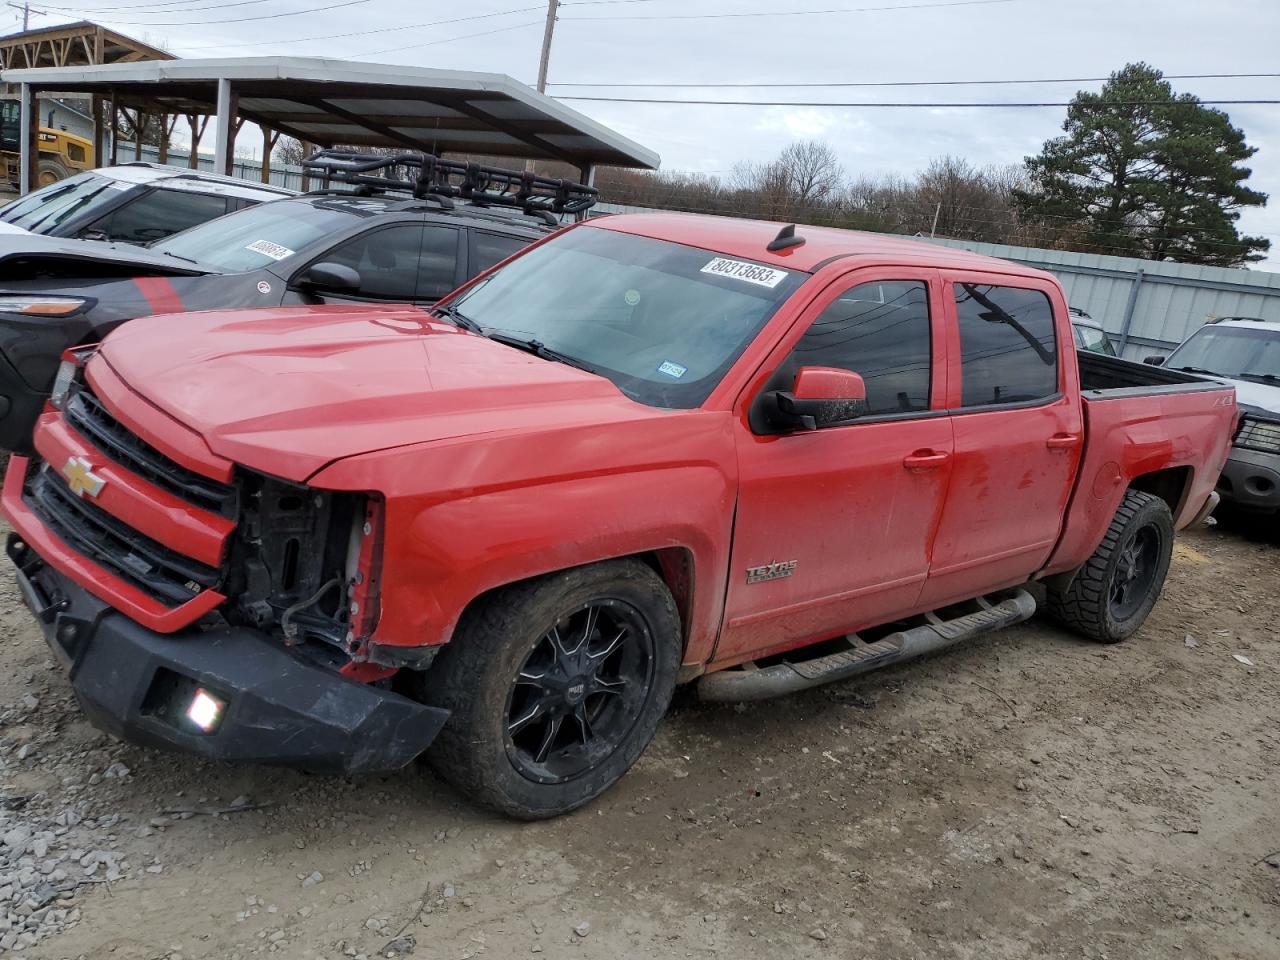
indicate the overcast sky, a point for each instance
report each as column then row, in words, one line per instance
column 981, row 40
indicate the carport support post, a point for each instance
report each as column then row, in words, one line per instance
column 1129, row 309
column 99, row 130
column 115, row 131
column 28, row 150
column 227, row 107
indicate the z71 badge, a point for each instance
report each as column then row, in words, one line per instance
column 771, row 571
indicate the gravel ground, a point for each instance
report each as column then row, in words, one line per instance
column 1027, row 795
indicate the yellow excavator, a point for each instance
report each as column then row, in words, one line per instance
column 60, row 153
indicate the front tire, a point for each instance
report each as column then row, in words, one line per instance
column 555, row 687
column 50, row 172
column 1112, row 594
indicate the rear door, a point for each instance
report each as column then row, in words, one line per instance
column 834, row 526
column 1018, row 434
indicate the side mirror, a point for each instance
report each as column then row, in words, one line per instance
column 1154, row 361
column 331, row 277
column 820, row 397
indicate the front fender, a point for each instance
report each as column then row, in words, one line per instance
column 457, row 537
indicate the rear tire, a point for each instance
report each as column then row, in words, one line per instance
column 1113, row 593
column 555, row 687
column 50, row 171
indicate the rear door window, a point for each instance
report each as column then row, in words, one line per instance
column 1008, row 348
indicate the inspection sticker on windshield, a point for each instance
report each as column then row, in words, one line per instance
column 672, row 369
column 750, row 272
column 275, row 251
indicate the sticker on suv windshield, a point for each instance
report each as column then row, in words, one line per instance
column 672, row 369
column 741, row 270
column 275, row 251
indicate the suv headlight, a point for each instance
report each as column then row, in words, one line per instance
column 42, row 306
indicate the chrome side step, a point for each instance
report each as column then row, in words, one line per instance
column 752, row 683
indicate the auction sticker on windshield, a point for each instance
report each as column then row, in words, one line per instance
column 275, row 251
column 741, row 270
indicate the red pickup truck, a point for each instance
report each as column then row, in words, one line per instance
column 649, row 450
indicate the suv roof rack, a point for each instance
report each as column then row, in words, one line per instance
column 427, row 177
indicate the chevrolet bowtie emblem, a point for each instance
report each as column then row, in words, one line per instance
column 81, row 478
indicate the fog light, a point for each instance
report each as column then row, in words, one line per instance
column 205, row 710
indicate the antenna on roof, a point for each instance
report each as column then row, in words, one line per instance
column 785, row 239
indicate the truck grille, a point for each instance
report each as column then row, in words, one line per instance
column 1257, row 434
column 95, row 423
column 152, row 567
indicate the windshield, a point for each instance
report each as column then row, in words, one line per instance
column 663, row 321
column 44, row 210
column 1244, row 353
column 256, row 236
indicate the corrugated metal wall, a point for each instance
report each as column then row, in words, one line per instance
column 1170, row 301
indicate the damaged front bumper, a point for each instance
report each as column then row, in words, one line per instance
column 276, row 707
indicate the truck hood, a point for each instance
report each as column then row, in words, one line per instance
column 288, row 391
column 24, row 254
column 1260, row 396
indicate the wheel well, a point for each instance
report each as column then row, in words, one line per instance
column 673, row 564
column 1170, row 485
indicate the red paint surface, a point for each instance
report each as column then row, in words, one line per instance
column 159, row 293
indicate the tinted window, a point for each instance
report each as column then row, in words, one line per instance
column 1008, row 352
column 490, row 248
column 387, row 261
column 158, row 214
column 879, row 330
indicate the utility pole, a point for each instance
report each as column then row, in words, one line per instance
column 25, row 7
column 553, row 6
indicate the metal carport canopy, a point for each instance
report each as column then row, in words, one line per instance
column 330, row 102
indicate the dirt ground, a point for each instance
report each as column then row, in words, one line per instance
column 1028, row 795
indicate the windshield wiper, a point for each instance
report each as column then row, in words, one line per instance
column 538, row 349
column 451, row 314
column 1260, row 377
column 178, row 256
column 1212, row 373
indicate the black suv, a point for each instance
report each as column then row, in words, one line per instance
column 372, row 239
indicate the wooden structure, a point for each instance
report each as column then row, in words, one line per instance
column 73, row 45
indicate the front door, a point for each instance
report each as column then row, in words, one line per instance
column 834, row 526
column 1018, row 436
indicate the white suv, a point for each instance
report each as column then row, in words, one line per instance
column 1245, row 351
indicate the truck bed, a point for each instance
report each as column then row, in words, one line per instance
column 1105, row 378
column 1141, row 419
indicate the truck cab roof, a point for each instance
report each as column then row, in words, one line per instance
column 750, row 239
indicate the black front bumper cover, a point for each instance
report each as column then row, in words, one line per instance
column 281, row 709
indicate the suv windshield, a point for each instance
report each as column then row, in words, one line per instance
column 1243, row 353
column 43, row 210
column 256, row 236
column 663, row 321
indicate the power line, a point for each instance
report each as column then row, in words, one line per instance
column 145, row 9
column 198, row 23
column 932, row 106
column 898, row 83
column 400, row 28
column 465, row 36
column 790, row 13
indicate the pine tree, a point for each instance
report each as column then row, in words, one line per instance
column 1142, row 171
